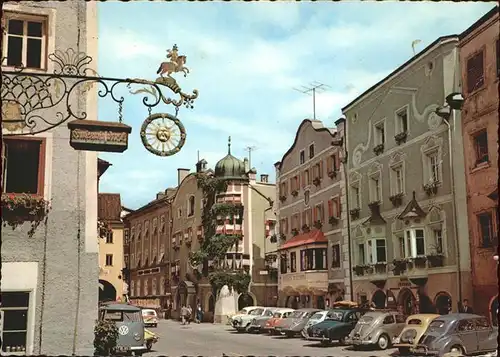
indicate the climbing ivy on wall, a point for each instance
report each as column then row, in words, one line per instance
column 215, row 246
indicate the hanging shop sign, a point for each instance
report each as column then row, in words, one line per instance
column 93, row 135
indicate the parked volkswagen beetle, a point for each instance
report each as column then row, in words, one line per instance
column 377, row 328
column 464, row 333
column 416, row 325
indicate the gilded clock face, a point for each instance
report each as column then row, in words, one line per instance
column 306, row 197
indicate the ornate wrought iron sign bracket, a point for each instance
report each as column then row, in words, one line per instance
column 34, row 102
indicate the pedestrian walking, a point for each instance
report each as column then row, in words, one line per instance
column 189, row 314
column 199, row 313
column 184, row 313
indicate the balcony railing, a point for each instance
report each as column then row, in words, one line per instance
column 409, row 267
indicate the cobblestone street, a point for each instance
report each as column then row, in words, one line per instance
column 216, row 340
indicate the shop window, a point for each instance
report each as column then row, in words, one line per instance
column 15, row 306
column 23, row 164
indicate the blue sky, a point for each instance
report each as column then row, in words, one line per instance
column 245, row 59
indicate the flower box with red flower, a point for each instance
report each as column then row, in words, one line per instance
column 23, row 207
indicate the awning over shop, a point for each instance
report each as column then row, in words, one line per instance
column 312, row 237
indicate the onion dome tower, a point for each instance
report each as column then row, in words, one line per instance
column 229, row 167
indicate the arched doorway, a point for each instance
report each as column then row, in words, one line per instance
column 494, row 311
column 443, row 303
column 320, row 302
column 292, row 302
column 406, row 302
column 107, row 291
column 378, row 299
column 245, row 300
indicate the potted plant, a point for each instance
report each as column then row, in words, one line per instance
column 200, row 239
column 333, row 220
column 400, row 137
column 400, row 265
column 274, row 239
column 176, row 246
column 368, row 269
column 295, row 193
column 358, row 270
column 374, row 204
column 396, row 199
column 318, row 224
column 354, row 213
column 24, row 207
column 305, row 228
column 295, row 232
column 431, row 188
column 419, row 261
column 435, row 259
column 380, row 267
column 379, row 149
column 105, row 337
column 332, row 174
column 282, row 198
column 317, row 181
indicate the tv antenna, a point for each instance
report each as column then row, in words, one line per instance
column 250, row 149
column 312, row 89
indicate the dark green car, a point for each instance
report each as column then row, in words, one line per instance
column 336, row 327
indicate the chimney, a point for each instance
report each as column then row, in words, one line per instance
column 181, row 175
column 160, row 195
column 247, row 166
column 264, row 178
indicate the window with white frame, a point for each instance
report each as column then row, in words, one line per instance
column 26, row 40
column 379, row 134
column 14, row 310
column 336, row 256
column 414, row 243
column 433, row 166
column 438, row 240
column 355, row 196
column 109, row 259
column 397, row 178
column 376, row 251
column 375, row 188
column 361, row 254
column 402, row 121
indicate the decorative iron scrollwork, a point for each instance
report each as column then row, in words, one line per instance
column 34, row 102
column 163, row 134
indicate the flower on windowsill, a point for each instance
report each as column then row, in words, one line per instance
column 333, row 220
column 317, row 181
column 354, row 213
column 374, row 204
column 282, row 198
column 431, row 187
column 401, row 137
column 295, row 193
column 397, row 199
column 305, row 228
column 332, row 174
column 24, row 207
column 379, row 149
column 318, row 224
column 103, row 228
column 295, row 232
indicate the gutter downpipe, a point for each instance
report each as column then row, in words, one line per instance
column 453, row 192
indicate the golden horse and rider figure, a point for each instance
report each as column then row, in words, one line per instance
column 176, row 63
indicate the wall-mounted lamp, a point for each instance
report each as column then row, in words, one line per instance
column 455, row 100
column 495, row 258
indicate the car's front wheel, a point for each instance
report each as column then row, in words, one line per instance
column 457, row 349
column 149, row 345
column 383, row 342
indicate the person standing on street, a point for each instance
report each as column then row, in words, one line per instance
column 465, row 308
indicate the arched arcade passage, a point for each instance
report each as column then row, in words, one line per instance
column 107, row 291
